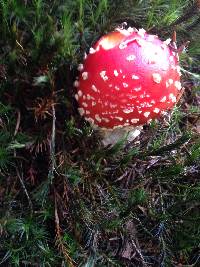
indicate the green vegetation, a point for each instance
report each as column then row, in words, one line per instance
column 64, row 199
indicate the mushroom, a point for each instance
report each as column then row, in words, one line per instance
column 128, row 78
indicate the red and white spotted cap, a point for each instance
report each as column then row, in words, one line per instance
column 128, row 78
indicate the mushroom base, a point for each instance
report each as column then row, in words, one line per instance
column 112, row 136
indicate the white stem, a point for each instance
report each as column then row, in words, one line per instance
column 111, row 137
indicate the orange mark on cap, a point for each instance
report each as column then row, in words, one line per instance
column 111, row 40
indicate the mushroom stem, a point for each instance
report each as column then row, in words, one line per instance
column 112, row 136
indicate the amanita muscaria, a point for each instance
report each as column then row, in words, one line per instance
column 128, row 78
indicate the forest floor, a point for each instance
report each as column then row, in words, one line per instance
column 65, row 200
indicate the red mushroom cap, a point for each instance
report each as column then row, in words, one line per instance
column 128, row 78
